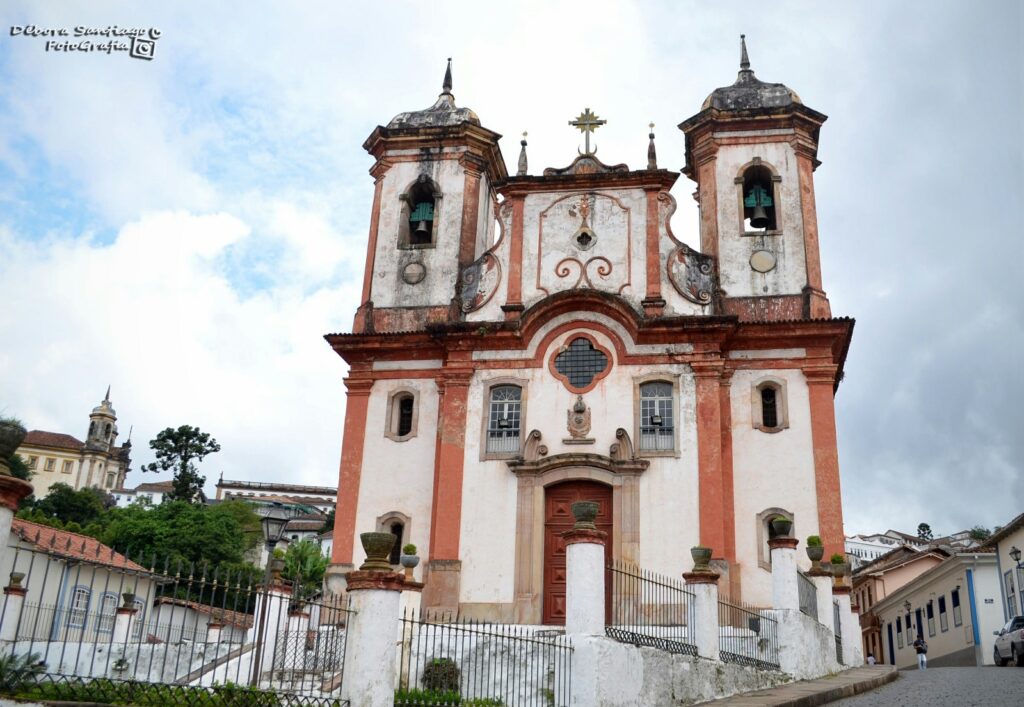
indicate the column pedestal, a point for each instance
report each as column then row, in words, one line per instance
column 704, row 633
column 853, row 654
column 14, row 600
column 370, row 651
column 785, row 592
column 822, row 581
column 584, row 586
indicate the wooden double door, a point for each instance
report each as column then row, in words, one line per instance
column 558, row 518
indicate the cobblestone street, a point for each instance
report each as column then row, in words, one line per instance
column 947, row 687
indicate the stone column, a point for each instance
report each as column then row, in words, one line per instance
column 822, row 580
column 703, row 582
column 584, row 585
column 14, row 600
column 853, row 654
column 273, row 621
column 12, row 490
column 214, row 630
column 370, row 651
column 122, row 623
column 295, row 638
column 785, row 592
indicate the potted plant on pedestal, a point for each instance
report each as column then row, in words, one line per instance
column 409, row 558
column 701, row 557
column 781, row 526
column 815, row 549
column 839, row 567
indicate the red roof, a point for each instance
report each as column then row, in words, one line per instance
column 232, row 618
column 58, row 440
column 72, row 545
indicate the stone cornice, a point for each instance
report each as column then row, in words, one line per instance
column 585, row 535
column 521, row 467
column 786, row 543
column 12, row 490
column 371, row 579
column 701, row 577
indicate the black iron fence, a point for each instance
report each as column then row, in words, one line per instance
column 747, row 636
column 445, row 660
column 81, row 622
column 808, row 595
column 649, row 609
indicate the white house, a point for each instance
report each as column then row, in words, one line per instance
column 954, row 606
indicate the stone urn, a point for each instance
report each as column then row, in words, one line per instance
column 585, row 512
column 781, row 526
column 409, row 561
column 701, row 557
column 16, row 579
column 129, row 599
column 276, row 567
column 12, row 432
column 839, row 571
column 377, row 547
column 815, row 553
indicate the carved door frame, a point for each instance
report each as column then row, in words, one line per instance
column 535, row 472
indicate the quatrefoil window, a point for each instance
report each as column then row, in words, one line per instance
column 580, row 363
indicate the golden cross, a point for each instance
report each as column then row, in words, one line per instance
column 587, row 123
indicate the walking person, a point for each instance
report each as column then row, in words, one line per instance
column 922, row 652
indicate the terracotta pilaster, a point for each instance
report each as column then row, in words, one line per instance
column 514, row 300
column 473, row 167
column 653, row 303
column 709, row 455
column 351, row 468
column 820, row 387
column 817, row 306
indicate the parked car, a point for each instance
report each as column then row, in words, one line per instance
column 1010, row 642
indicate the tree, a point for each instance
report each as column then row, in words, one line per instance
column 924, row 532
column 305, row 564
column 178, row 532
column 179, row 450
column 69, row 506
column 328, row 521
column 979, row 533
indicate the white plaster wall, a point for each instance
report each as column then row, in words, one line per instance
column 738, row 279
column 398, row 476
column 441, row 261
column 771, row 470
column 618, row 220
column 675, row 303
column 669, row 502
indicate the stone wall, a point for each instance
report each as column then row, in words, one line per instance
column 611, row 674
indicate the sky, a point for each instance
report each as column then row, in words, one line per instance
column 186, row 228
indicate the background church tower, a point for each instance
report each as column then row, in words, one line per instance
column 433, row 213
column 752, row 149
column 102, row 426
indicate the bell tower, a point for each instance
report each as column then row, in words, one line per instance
column 102, row 426
column 433, row 213
column 752, row 149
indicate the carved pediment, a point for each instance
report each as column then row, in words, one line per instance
column 586, row 164
column 536, row 462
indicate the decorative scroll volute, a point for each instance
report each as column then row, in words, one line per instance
column 622, row 450
column 692, row 274
column 480, row 281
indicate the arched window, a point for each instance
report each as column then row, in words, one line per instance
column 402, row 415
column 503, row 419
column 79, row 607
column 657, row 423
column 107, row 430
column 398, row 530
column 764, row 533
column 108, row 611
column 418, row 226
column 759, row 208
column 769, row 410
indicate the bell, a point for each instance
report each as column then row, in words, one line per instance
column 422, row 229
column 759, row 218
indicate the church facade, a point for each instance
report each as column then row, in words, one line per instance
column 529, row 340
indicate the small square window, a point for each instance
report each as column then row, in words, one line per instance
column 51, row 464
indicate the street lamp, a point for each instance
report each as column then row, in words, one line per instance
column 1015, row 554
column 275, row 519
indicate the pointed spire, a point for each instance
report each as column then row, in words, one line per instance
column 744, row 59
column 106, row 398
column 522, row 157
column 446, row 87
column 652, row 156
